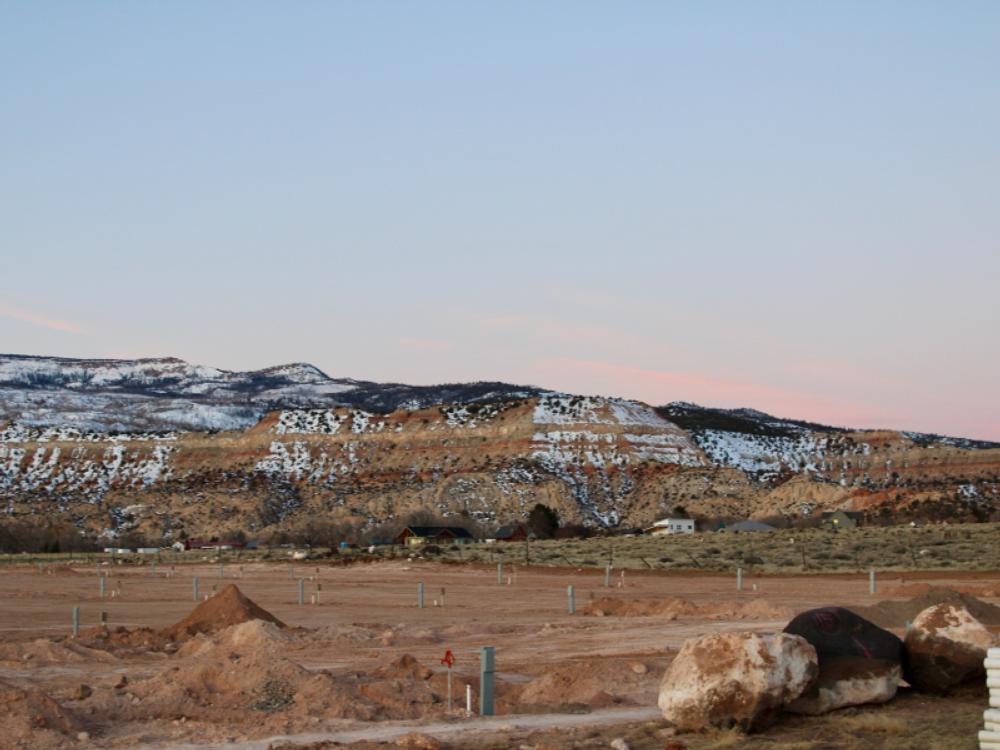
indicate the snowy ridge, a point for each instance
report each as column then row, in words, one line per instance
column 168, row 394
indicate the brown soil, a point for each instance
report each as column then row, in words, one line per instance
column 228, row 607
column 916, row 589
column 595, row 683
column 673, row 607
column 368, row 653
column 895, row 614
column 31, row 719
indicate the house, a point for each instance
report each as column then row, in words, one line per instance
column 748, row 526
column 219, row 544
column 672, row 526
column 842, row 519
column 512, row 532
column 415, row 535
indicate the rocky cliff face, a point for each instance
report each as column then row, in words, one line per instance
column 492, row 455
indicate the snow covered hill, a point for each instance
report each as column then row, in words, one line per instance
column 164, row 394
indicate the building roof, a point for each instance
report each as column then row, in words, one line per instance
column 432, row 531
column 507, row 531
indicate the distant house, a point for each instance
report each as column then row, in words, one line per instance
column 842, row 519
column 220, row 544
column 749, row 525
column 512, row 532
column 416, row 535
column 672, row 526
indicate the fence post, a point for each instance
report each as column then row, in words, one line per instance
column 571, row 597
column 486, row 669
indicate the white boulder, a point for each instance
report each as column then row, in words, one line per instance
column 742, row 679
column 849, row 681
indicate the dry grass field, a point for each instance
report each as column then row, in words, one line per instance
column 891, row 548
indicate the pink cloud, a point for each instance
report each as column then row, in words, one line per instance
column 662, row 386
column 27, row 316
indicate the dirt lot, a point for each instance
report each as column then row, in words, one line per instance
column 363, row 664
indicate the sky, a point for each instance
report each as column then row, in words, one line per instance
column 783, row 205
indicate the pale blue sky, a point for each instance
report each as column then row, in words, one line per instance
column 791, row 206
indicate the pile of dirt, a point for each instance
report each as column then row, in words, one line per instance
column 43, row 651
column 264, row 692
column 405, row 666
column 674, row 607
column 593, row 682
column 228, row 607
column 123, row 641
column 31, row 719
column 895, row 614
column 253, row 635
column 916, row 589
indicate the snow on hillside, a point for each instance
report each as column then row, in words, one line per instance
column 49, row 470
column 764, row 457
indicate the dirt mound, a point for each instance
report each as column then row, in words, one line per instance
column 917, row 589
column 32, row 719
column 405, row 666
column 253, row 635
column 673, row 607
column 44, row 651
column 895, row 614
column 590, row 682
column 122, row 641
column 249, row 688
column 264, row 692
column 228, row 607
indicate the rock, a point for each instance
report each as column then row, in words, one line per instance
column 945, row 647
column 859, row 662
column 849, row 681
column 83, row 736
column 122, row 682
column 640, row 668
column 619, row 743
column 82, row 692
column 740, row 679
column 837, row 632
